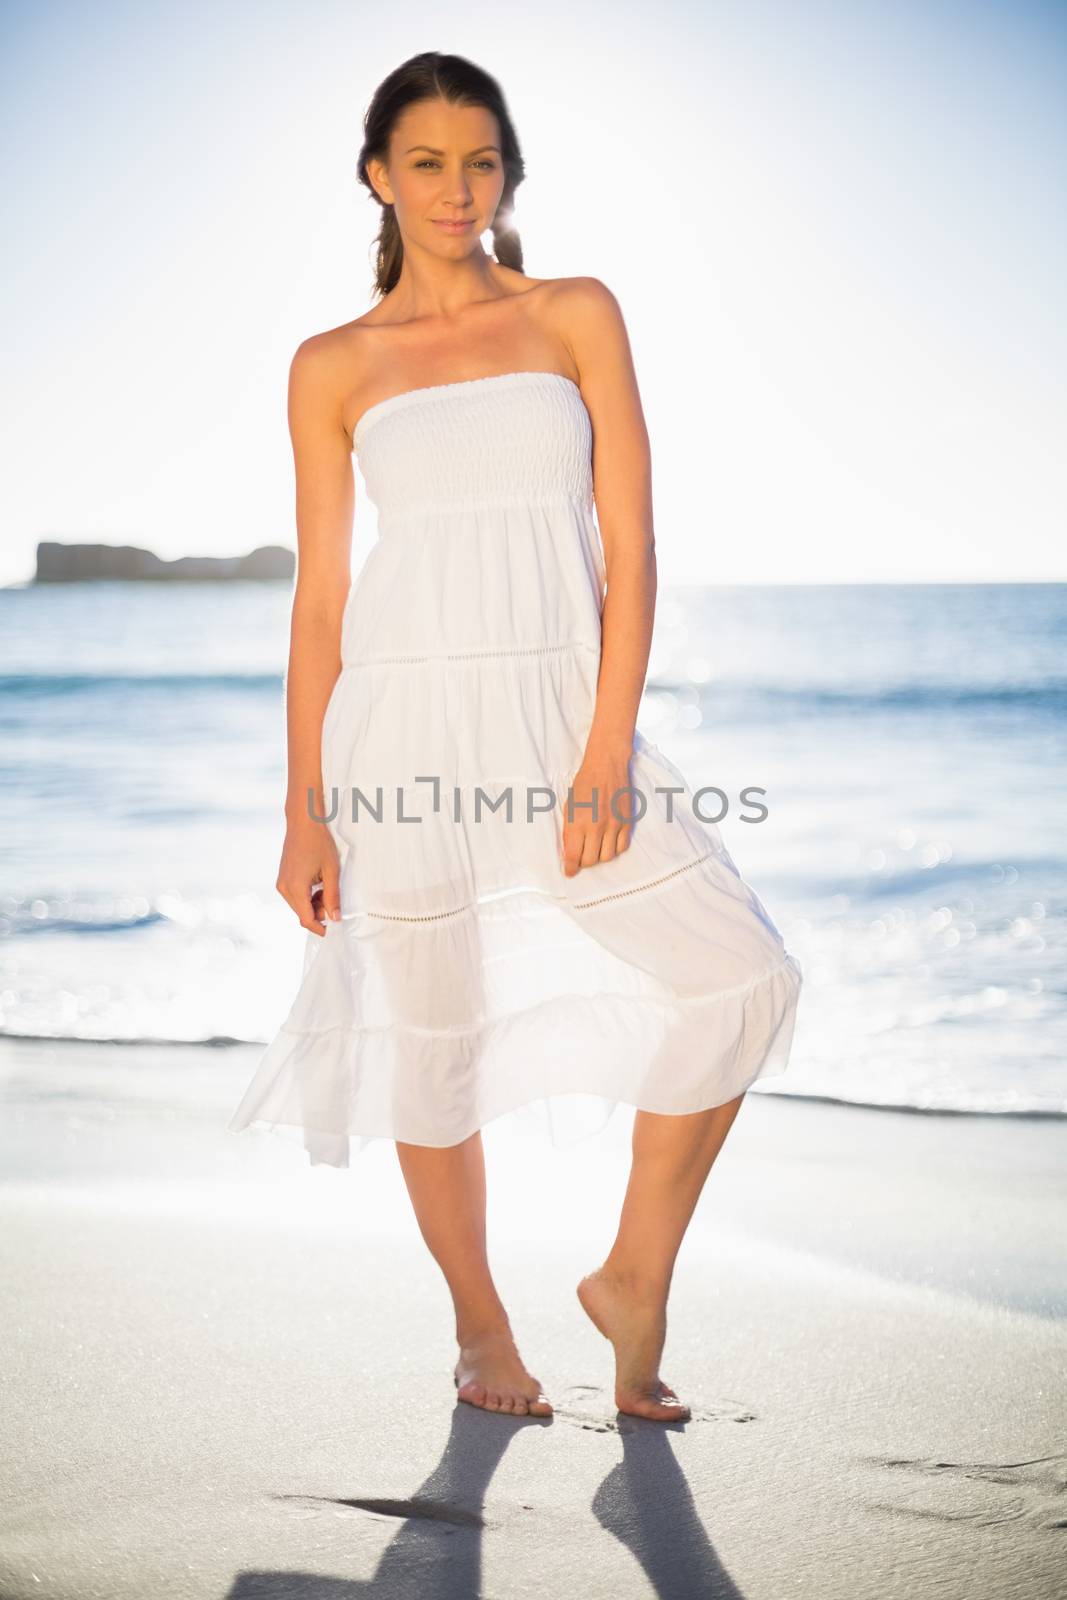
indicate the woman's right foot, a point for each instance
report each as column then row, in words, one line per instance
column 490, row 1374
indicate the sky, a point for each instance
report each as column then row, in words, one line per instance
column 836, row 233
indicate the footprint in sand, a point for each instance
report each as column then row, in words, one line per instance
column 591, row 1406
column 982, row 1492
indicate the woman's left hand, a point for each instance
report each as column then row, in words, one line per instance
column 587, row 842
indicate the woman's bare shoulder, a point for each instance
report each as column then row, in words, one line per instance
column 585, row 296
column 319, row 350
column 576, row 291
column 320, row 380
column 584, row 315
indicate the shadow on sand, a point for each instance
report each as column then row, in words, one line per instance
column 437, row 1552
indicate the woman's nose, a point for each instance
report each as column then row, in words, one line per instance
column 458, row 189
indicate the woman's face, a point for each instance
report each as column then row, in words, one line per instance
column 444, row 176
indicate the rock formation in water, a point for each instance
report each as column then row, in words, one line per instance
column 77, row 563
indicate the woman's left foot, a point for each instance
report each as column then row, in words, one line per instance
column 634, row 1321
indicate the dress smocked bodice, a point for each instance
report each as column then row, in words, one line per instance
column 520, row 438
column 487, row 538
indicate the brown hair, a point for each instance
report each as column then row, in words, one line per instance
column 432, row 76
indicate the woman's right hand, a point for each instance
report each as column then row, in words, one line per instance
column 309, row 877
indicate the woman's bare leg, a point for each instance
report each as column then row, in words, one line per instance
column 626, row 1298
column 447, row 1189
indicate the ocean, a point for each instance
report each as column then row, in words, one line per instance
column 909, row 742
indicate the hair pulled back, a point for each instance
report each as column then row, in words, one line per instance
column 433, row 76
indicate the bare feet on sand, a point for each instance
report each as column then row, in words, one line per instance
column 634, row 1320
column 490, row 1374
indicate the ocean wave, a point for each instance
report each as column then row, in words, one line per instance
column 214, row 1041
column 1053, row 1111
column 130, row 912
column 867, row 883
column 54, row 684
column 986, row 874
column 23, row 919
column 774, row 698
column 782, row 698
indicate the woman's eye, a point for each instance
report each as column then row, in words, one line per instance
column 428, row 161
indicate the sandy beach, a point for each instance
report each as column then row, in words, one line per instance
column 228, row 1374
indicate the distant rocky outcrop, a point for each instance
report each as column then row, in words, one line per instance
column 78, row 563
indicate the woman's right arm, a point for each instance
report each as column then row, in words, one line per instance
column 322, row 454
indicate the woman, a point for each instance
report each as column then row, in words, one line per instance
column 497, row 640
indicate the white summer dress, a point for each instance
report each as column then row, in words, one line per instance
column 468, row 976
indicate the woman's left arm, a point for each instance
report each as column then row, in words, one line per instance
column 593, row 327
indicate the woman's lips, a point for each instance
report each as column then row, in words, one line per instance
column 454, row 227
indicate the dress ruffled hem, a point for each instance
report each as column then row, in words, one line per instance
column 566, row 1063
